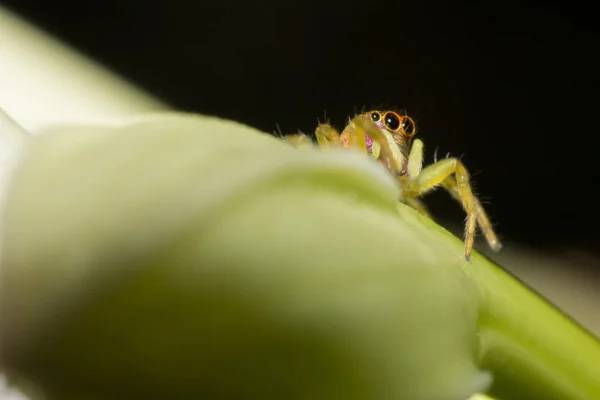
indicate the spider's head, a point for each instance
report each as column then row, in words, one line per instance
column 403, row 128
column 397, row 131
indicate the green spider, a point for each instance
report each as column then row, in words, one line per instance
column 389, row 138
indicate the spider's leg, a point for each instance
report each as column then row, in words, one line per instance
column 482, row 219
column 327, row 136
column 415, row 165
column 354, row 137
column 434, row 175
column 415, row 160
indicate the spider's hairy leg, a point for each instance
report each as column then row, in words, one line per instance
column 434, row 175
column 415, row 159
column 354, row 137
column 415, row 165
column 327, row 136
column 482, row 219
column 298, row 140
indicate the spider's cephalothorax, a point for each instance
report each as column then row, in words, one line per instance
column 401, row 128
column 388, row 137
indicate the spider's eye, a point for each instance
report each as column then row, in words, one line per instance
column 408, row 126
column 392, row 121
column 375, row 116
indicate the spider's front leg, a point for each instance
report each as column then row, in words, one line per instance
column 451, row 174
column 328, row 136
column 434, row 175
column 483, row 221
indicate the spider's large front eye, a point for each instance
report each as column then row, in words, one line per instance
column 408, row 126
column 375, row 116
column 392, row 121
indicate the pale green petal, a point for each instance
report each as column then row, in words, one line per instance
column 188, row 257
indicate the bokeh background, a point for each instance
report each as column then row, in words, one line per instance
column 512, row 87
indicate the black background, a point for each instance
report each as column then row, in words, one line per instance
column 513, row 86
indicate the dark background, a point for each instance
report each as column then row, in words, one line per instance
column 513, row 86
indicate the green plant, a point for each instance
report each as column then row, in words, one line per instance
column 182, row 256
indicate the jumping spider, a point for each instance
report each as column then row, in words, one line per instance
column 389, row 138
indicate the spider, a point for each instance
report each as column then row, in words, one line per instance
column 389, row 138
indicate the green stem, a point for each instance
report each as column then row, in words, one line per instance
column 534, row 350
